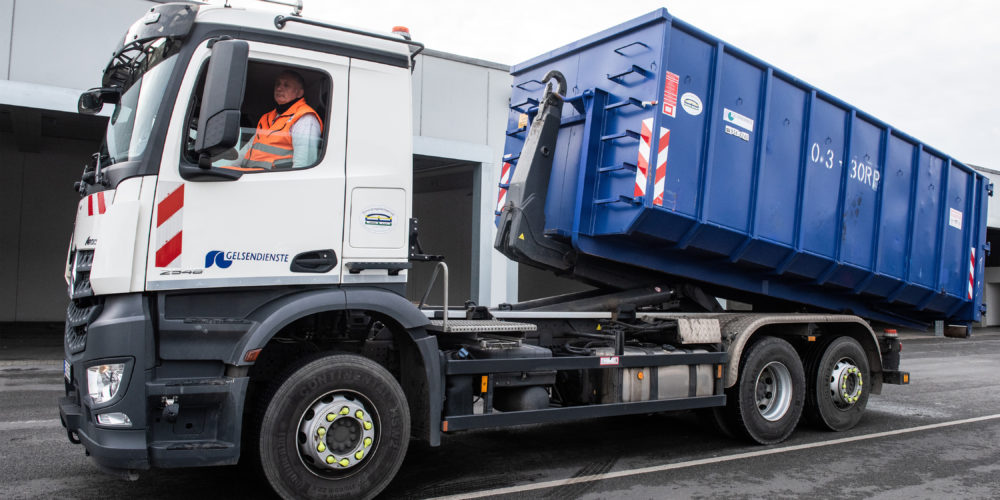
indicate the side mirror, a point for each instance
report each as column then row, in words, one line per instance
column 219, row 121
column 91, row 101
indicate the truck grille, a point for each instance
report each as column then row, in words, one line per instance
column 80, row 278
column 83, row 307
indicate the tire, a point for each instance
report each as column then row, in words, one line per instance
column 839, row 385
column 766, row 402
column 337, row 426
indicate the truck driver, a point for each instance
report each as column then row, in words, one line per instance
column 287, row 136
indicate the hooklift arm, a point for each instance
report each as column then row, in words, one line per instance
column 520, row 232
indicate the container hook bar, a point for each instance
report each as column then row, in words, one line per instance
column 634, row 69
column 623, row 47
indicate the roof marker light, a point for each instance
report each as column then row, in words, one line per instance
column 402, row 31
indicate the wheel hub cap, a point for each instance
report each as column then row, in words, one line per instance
column 773, row 391
column 846, row 383
column 339, row 433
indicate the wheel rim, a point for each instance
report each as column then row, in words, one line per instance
column 337, row 434
column 773, row 391
column 846, row 383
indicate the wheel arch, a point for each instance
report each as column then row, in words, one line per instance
column 269, row 319
column 420, row 371
column 742, row 330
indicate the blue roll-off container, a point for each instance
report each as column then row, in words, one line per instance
column 770, row 187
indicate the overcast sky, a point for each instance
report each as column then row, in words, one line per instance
column 931, row 69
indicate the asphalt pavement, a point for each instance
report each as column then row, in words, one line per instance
column 938, row 437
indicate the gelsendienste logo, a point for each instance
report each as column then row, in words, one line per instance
column 217, row 257
column 223, row 259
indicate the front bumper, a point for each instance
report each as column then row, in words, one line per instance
column 113, row 449
column 203, row 428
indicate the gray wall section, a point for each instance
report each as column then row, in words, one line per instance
column 6, row 36
column 37, row 205
column 11, row 191
column 66, row 43
column 453, row 101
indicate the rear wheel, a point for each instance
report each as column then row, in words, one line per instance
column 766, row 402
column 336, row 427
column 839, row 386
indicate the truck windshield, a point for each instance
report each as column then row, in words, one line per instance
column 132, row 120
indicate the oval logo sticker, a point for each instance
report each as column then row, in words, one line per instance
column 691, row 103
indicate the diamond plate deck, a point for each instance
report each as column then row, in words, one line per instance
column 479, row 325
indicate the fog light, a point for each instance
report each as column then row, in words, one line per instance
column 103, row 381
column 117, row 419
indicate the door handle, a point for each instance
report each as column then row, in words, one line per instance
column 314, row 261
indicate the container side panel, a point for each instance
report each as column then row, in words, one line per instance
column 779, row 184
column 563, row 180
column 819, row 207
column 896, row 182
column 954, row 264
column 728, row 190
column 864, row 179
column 691, row 59
column 923, row 262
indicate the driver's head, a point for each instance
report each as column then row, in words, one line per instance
column 288, row 87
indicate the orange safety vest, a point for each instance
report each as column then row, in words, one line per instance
column 272, row 145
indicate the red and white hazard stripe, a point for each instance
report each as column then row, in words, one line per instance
column 645, row 138
column 642, row 170
column 504, row 180
column 660, row 178
column 95, row 203
column 169, row 225
column 972, row 271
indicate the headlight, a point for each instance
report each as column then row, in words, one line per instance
column 103, row 381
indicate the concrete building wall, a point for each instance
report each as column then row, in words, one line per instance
column 37, row 206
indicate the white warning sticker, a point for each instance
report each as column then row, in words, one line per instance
column 737, row 119
column 955, row 219
column 609, row 360
column 670, row 94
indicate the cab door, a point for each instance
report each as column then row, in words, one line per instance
column 266, row 227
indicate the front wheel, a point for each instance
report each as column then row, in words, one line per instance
column 766, row 402
column 336, row 427
column 839, row 386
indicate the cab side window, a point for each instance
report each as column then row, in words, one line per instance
column 283, row 121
